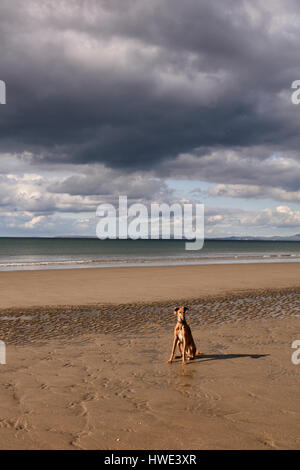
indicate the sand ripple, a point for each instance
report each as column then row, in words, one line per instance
column 22, row 326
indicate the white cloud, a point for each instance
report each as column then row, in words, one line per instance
column 252, row 222
column 28, row 192
column 34, row 221
column 253, row 191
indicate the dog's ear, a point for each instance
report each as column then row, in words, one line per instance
column 176, row 310
column 185, row 309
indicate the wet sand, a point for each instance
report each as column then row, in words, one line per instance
column 97, row 377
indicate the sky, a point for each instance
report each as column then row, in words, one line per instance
column 160, row 100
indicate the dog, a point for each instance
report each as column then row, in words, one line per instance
column 183, row 338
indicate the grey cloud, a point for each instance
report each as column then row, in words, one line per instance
column 102, row 181
column 133, row 84
column 255, row 166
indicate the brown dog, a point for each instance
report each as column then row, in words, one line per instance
column 183, row 338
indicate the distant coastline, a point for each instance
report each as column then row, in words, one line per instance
column 292, row 238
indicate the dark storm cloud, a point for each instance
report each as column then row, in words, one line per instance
column 133, row 84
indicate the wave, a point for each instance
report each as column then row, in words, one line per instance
column 147, row 261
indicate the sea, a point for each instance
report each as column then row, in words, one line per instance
column 62, row 253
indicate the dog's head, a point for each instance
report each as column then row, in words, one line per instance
column 180, row 313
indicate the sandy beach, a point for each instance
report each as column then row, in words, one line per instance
column 86, row 358
column 140, row 284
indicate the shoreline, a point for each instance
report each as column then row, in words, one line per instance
column 21, row 289
column 172, row 262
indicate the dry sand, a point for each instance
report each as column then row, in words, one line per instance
column 142, row 284
column 95, row 376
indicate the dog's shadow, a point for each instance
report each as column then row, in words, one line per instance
column 215, row 357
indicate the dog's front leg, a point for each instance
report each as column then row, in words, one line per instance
column 183, row 350
column 173, row 349
column 179, row 349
